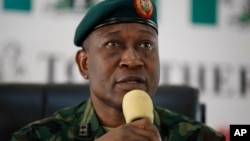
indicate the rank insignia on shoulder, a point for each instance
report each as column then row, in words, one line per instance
column 83, row 130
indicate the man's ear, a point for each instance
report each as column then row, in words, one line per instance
column 82, row 63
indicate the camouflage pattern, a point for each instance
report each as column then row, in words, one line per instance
column 80, row 122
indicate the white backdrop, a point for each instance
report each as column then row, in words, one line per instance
column 30, row 40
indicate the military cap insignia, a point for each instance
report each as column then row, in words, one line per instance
column 144, row 8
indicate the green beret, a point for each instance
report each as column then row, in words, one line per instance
column 116, row 11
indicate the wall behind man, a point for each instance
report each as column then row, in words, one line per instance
column 36, row 45
column 210, row 55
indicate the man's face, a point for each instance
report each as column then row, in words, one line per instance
column 120, row 58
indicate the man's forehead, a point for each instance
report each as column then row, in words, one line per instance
column 133, row 27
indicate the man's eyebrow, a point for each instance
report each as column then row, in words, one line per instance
column 147, row 32
column 114, row 33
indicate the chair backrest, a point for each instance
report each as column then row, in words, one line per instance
column 59, row 96
column 19, row 105
column 180, row 99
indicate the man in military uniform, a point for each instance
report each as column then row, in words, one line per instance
column 119, row 53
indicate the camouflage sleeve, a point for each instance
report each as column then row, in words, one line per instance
column 208, row 134
column 37, row 130
column 27, row 133
column 177, row 127
column 197, row 132
column 48, row 129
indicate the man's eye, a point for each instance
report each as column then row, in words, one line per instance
column 146, row 45
column 113, row 44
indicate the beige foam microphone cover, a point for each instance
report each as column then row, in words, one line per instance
column 137, row 104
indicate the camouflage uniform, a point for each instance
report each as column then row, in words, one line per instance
column 81, row 123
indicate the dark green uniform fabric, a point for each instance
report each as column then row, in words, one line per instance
column 81, row 123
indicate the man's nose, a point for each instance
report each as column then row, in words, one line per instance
column 131, row 59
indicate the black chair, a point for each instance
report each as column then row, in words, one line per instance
column 59, row 96
column 19, row 105
column 180, row 99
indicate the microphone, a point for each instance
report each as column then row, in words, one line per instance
column 137, row 104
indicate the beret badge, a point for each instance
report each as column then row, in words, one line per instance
column 144, row 8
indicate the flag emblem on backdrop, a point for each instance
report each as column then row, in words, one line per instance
column 204, row 11
column 17, row 5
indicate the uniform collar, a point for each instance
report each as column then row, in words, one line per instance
column 87, row 127
column 157, row 121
